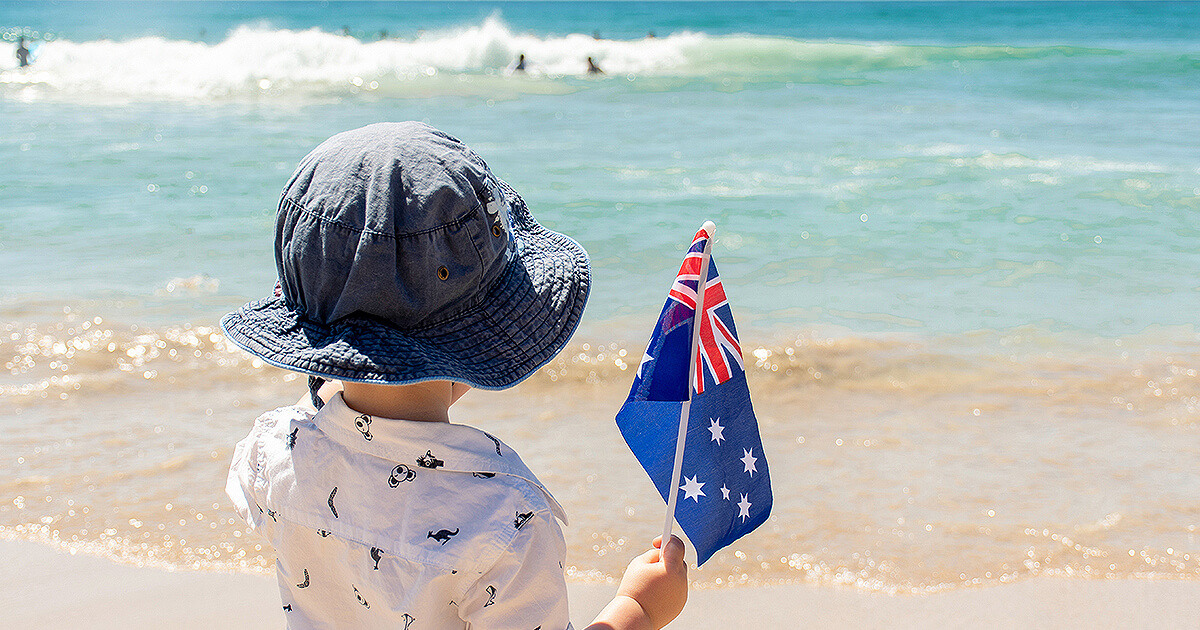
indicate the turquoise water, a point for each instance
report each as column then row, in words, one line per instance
column 859, row 159
column 930, row 216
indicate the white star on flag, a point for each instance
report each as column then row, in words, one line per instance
column 724, row 492
column 716, row 430
column 748, row 459
column 744, row 508
column 646, row 358
column 691, row 489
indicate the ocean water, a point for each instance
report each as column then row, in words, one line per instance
column 960, row 241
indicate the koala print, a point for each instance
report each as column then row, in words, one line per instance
column 401, row 474
column 363, row 423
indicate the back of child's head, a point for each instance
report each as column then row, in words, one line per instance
column 402, row 259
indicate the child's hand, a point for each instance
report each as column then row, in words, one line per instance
column 652, row 593
column 658, row 584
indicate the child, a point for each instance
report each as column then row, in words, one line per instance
column 409, row 273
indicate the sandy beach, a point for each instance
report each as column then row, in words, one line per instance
column 41, row 587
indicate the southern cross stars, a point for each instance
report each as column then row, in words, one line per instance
column 744, row 508
column 646, row 358
column 716, row 430
column 748, row 459
column 724, row 492
column 691, row 489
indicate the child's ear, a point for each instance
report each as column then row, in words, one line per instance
column 457, row 390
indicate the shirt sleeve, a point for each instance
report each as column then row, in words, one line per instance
column 526, row 587
column 245, row 485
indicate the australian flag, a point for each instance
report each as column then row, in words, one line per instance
column 725, row 484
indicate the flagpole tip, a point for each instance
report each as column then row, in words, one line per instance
column 709, row 228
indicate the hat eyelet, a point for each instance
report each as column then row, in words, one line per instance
column 497, row 231
column 443, row 273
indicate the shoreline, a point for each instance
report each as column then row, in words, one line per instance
column 42, row 587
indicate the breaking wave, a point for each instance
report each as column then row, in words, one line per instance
column 258, row 61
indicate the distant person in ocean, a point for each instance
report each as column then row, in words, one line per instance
column 520, row 67
column 651, row 35
column 593, row 68
column 22, row 53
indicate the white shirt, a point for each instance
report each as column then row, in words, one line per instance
column 381, row 523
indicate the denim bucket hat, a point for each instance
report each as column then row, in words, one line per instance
column 402, row 259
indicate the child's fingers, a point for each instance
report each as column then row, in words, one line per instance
column 650, row 556
column 673, row 553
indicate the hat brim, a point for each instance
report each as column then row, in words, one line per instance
column 517, row 325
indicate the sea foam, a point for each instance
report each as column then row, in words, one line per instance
column 257, row 60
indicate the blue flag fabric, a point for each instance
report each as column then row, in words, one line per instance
column 725, row 483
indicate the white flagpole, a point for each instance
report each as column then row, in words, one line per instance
column 710, row 229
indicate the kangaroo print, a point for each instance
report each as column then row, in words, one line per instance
column 443, row 535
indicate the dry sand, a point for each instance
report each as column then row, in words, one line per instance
column 44, row 588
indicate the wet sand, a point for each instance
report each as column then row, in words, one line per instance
column 41, row 587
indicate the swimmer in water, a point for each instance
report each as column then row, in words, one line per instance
column 22, row 53
column 593, row 68
column 520, row 67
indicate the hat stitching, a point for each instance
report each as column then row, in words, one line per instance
column 527, row 330
column 467, row 216
column 451, row 317
column 495, row 325
column 495, row 379
column 318, row 365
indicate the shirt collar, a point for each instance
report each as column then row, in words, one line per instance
column 438, row 445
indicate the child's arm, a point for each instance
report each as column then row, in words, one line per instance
column 652, row 592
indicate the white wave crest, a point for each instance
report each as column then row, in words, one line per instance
column 256, row 61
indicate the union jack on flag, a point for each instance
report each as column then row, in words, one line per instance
column 719, row 349
column 726, row 486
